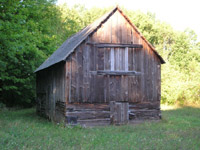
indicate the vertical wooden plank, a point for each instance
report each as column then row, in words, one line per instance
column 124, row 88
column 52, row 107
column 100, row 78
column 159, row 81
column 125, row 30
column 123, row 59
column 100, row 58
column 113, row 114
column 116, row 59
column 58, row 84
column 130, row 88
column 118, row 88
column 106, row 89
column 133, row 59
column 63, row 82
column 77, row 71
column 73, row 78
column 88, row 61
column 133, row 80
column 109, row 36
column 154, row 78
column 126, row 59
column 138, row 68
column 99, row 97
column 120, row 58
column 107, row 59
column 142, row 92
column 119, row 112
column 112, row 59
column 94, row 66
column 91, row 68
column 55, row 82
column 85, row 71
column 86, row 58
column 120, row 28
column 93, row 81
column 150, row 74
column 70, row 79
column 107, row 66
column 130, row 59
column 112, row 88
column 92, row 63
column 114, row 28
column 129, row 33
column 107, row 31
column 145, row 73
column 81, row 73
column 67, row 80
column 133, row 35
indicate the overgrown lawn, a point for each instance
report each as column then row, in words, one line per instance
column 23, row 129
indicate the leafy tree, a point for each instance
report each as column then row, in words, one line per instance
column 29, row 32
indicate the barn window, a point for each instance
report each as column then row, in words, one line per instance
column 119, row 59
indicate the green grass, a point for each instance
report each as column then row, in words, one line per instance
column 23, row 129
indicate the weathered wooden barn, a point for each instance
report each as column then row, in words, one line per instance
column 107, row 73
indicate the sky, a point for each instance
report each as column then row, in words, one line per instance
column 180, row 14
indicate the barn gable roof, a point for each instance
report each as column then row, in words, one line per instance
column 72, row 43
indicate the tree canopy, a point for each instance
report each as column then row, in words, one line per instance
column 30, row 31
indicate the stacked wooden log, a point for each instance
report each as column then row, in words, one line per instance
column 59, row 111
column 88, row 114
column 116, row 113
column 149, row 111
column 61, row 107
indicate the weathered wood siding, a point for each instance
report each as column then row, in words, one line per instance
column 50, row 92
column 84, row 85
column 102, row 83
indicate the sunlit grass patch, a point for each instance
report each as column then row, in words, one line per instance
column 169, row 107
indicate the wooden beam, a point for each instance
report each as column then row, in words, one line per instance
column 108, row 72
column 115, row 45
